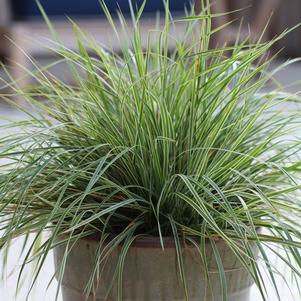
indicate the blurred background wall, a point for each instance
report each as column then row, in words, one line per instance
column 285, row 14
column 27, row 8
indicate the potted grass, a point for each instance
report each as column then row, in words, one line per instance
column 166, row 173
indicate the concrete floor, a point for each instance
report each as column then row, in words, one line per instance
column 287, row 77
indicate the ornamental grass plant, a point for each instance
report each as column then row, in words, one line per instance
column 168, row 138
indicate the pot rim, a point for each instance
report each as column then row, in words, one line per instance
column 154, row 242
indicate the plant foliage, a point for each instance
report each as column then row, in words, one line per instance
column 169, row 137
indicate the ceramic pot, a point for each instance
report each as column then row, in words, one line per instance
column 151, row 274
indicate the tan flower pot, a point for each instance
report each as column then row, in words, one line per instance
column 151, row 274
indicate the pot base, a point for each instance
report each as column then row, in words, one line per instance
column 70, row 294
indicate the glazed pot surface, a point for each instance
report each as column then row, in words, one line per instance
column 151, row 274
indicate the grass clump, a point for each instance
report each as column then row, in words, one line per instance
column 168, row 138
